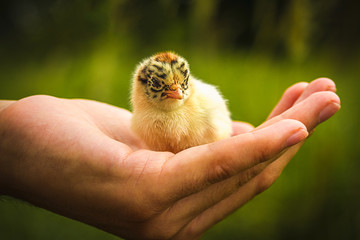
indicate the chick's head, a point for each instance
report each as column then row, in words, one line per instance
column 164, row 79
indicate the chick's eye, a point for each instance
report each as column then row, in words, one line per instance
column 155, row 83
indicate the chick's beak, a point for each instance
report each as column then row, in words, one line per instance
column 175, row 92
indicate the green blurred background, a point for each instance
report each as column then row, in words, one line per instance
column 253, row 50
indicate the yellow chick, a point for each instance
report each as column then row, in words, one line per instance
column 172, row 110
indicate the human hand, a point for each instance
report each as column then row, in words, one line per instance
column 310, row 103
column 80, row 159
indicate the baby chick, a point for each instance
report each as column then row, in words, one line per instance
column 172, row 110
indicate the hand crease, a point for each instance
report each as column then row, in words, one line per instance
column 142, row 170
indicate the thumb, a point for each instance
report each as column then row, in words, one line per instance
column 196, row 168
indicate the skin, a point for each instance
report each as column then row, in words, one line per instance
column 80, row 159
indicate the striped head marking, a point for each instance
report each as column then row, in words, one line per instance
column 165, row 78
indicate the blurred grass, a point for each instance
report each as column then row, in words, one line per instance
column 316, row 197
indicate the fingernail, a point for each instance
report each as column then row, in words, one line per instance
column 297, row 137
column 328, row 111
column 332, row 88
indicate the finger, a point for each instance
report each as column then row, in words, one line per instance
column 301, row 91
column 194, row 169
column 241, row 127
column 317, row 103
column 205, row 220
column 282, row 161
column 184, row 210
column 288, row 99
column 312, row 111
column 318, row 85
column 227, row 206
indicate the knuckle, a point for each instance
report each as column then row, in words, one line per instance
column 261, row 154
column 221, row 168
column 244, row 178
column 258, row 147
column 219, row 172
column 249, row 174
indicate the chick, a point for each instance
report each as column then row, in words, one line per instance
column 172, row 110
